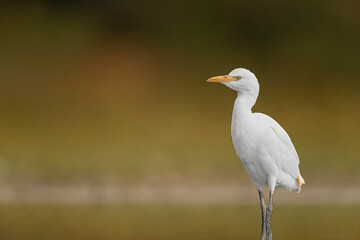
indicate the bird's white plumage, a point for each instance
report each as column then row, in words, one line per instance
column 261, row 143
column 281, row 151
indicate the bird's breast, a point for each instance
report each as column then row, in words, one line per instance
column 244, row 134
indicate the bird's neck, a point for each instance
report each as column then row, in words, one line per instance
column 242, row 114
column 244, row 103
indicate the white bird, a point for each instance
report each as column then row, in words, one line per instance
column 263, row 146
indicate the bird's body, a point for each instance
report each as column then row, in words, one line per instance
column 263, row 146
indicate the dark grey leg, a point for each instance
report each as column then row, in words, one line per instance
column 268, row 231
column 263, row 231
column 263, row 216
column 268, row 216
column 269, row 208
column 262, row 206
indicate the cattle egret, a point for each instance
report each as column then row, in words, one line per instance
column 263, row 146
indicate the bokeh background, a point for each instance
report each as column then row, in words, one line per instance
column 109, row 130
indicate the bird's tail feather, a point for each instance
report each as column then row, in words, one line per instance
column 300, row 181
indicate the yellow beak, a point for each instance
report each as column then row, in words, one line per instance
column 224, row 78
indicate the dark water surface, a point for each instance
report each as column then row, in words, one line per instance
column 175, row 222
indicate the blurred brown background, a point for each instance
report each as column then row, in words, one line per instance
column 106, row 101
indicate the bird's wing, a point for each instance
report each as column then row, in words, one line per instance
column 286, row 156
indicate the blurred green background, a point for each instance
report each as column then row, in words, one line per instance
column 112, row 94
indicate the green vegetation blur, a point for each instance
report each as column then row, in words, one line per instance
column 116, row 91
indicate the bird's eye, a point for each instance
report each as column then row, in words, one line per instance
column 237, row 77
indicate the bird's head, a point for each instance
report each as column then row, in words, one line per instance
column 243, row 81
column 240, row 80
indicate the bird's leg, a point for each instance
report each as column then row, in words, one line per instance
column 270, row 207
column 263, row 215
column 272, row 184
column 263, row 231
column 268, row 231
column 262, row 206
column 268, row 216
